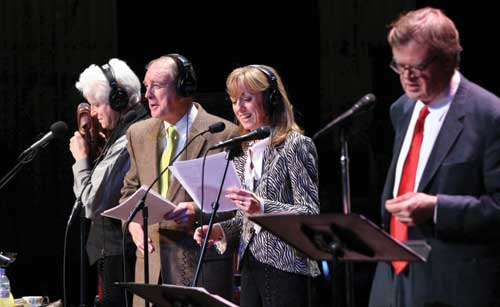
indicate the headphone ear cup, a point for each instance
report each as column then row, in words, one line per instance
column 272, row 97
column 186, row 79
column 186, row 82
column 118, row 99
column 189, row 86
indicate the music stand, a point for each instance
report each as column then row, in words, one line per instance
column 173, row 295
column 346, row 237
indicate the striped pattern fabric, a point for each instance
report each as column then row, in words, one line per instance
column 289, row 184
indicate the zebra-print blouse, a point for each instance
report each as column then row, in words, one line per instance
column 289, row 184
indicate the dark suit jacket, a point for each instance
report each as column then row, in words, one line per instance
column 176, row 253
column 463, row 170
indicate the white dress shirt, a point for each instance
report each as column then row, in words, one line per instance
column 438, row 108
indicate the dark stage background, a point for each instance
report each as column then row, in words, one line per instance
column 329, row 53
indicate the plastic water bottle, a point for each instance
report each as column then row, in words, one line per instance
column 6, row 299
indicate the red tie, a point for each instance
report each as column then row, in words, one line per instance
column 399, row 231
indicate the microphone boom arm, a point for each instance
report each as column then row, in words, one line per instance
column 215, row 208
column 23, row 159
column 361, row 105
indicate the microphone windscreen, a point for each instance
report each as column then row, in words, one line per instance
column 83, row 118
column 83, row 106
column 262, row 132
column 58, row 129
column 363, row 104
column 217, row 127
column 369, row 98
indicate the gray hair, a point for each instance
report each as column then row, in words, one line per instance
column 93, row 82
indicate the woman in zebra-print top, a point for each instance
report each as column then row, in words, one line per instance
column 279, row 175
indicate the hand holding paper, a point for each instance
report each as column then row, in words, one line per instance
column 189, row 175
column 157, row 205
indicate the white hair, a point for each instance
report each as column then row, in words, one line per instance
column 93, row 83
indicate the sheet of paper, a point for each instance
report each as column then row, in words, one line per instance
column 157, row 207
column 189, row 175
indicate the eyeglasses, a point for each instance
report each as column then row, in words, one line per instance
column 414, row 70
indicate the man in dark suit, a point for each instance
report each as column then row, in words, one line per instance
column 170, row 85
column 443, row 184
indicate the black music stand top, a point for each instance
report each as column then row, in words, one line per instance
column 346, row 237
column 173, row 295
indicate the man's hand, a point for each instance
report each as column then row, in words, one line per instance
column 137, row 233
column 412, row 208
column 184, row 213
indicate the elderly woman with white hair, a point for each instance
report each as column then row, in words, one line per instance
column 114, row 94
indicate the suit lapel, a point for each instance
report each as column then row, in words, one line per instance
column 399, row 138
column 194, row 149
column 401, row 122
column 451, row 129
column 150, row 144
column 270, row 155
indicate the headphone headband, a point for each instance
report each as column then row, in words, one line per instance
column 272, row 93
column 186, row 79
column 118, row 97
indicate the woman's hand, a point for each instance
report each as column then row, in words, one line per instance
column 245, row 200
column 78, row 147
column 215, row 235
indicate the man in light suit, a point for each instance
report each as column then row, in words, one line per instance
column 453, row 202
column 170, row 85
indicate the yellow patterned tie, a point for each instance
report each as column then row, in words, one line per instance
column 166, row 157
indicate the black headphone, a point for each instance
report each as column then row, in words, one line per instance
column 185, row 85
column 272, row 94
column 118, row 97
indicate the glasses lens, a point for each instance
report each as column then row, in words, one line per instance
column 395, row 67
column 400, row 69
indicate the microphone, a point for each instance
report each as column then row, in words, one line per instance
column 84, row 117
column 360, row 106
column 5, row 260
column 217, row 127
column 214, row 128
column 257, row 134
column 57, row 130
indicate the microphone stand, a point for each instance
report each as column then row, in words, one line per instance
column 77, row 209
column 215, row 206
column 141, row 205
column 344, row 119
column 83, row 273
column 346, row 192
column 346, row 203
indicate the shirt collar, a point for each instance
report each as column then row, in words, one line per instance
column 186, row 121
column 446, row 96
